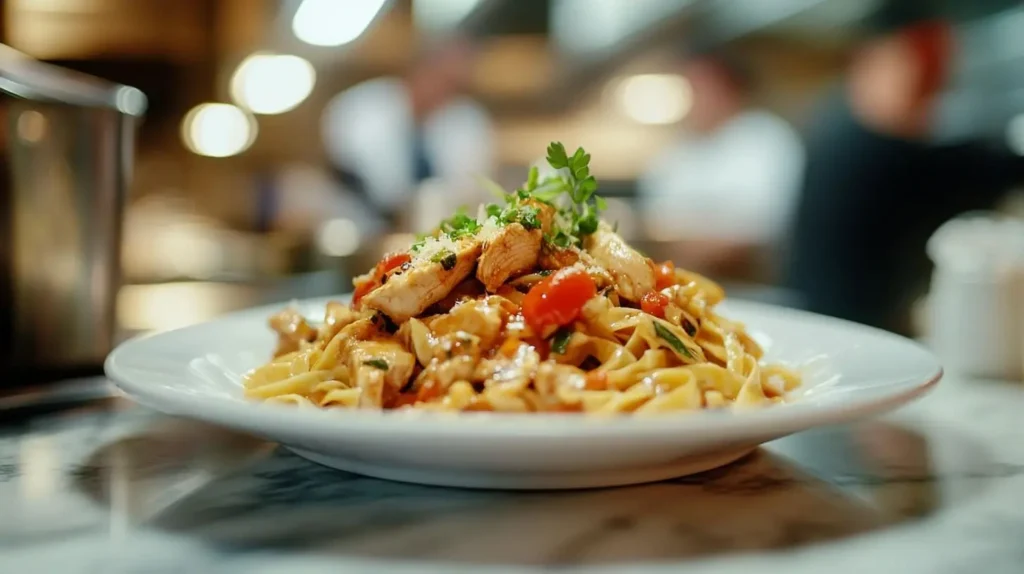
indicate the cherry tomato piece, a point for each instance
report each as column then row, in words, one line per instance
column 558, row 299
column 654, row 303
column 362, row 288
column 665, row 274
column 391, row 261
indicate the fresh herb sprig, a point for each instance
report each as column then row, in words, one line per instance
column 582, row 213
column 570, row 191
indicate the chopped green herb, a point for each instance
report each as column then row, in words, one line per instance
column 531, row 178
column 421, row 240
column 528, row 217
column 560, row 341
column 673, row 341
column 377, row 364
column 460, row 225
column 446, row 258
column 551, row 189
column 557, row 157
column 493, row 210
column 561, row 239
column 545, row 272
column 587, row 223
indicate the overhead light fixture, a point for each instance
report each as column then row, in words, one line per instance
column 1015, row 134
column 218, row 130
column 655, row 98
column 334, row 22
column 272, row 83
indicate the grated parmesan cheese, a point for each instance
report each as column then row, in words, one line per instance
column 432, row 246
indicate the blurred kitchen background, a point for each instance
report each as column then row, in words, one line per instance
column 247, row 188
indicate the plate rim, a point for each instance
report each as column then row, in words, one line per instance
column 271, row 419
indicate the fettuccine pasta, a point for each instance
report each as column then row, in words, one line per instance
column 534, row 306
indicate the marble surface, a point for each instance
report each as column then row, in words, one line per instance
column 937, row 487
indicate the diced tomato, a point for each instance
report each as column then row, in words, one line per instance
column 557, row 299
column 665, row 274
column 362, row 288
column 654, row 303
column 390, row 262
column 596, row 381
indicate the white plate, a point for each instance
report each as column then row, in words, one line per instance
column 851, row 371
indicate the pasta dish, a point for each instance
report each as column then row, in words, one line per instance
column 534, row 305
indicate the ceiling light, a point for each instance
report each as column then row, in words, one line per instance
column 655, row 98
column 272, row 83
column 334, row 22
column 218, row 130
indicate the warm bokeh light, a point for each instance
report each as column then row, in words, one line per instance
column 272, row 83
column 655, row 98
column 334, row 22
column 218, row 130
column 339, row 237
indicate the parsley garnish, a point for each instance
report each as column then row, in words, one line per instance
column 377, row 364
column 459, row 225
column 446, row 258
column 560, row 342
column 421, row 240
column 673, row 341
column 582, row 213
column 571, row 192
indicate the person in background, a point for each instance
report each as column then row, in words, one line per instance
column 876, row 188
column 723, row 193
column 386, row 136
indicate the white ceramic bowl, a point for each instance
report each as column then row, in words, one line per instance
column 851, row 371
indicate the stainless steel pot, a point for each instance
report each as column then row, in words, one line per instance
column 66, row 152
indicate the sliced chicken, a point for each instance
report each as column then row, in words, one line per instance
column 555, row 258
column 480, row 318
column 633, row 273
column 380, row 369
column 408, row 293
column 292, row 330
column 337, row 317
column 512, row 251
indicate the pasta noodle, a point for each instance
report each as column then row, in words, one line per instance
column 530, row 307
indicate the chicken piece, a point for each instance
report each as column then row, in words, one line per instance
column 512, row 251
column 380, row 369
column 409, row 293
column 480, row 318
column 633, row 273
column 337, row 317
column 468, row 289
column 292, row 330
column 555, row 258
column 545, row 214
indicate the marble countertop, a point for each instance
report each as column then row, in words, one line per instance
column 937, row 487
